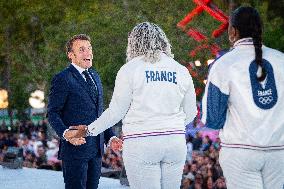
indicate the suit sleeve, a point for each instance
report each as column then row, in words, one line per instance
column 57, row 98
column 118, row 107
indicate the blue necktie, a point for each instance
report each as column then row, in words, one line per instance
column 91, row 84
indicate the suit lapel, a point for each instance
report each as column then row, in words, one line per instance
column 100, row 106
column 97, row 79
column 81, row 80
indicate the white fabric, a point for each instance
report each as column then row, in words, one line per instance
column 252, row 169
column 189, row 151
column 246, row 125
column 153, row 106
column 154, row 162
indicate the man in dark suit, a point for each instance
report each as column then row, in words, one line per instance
column 76, row 98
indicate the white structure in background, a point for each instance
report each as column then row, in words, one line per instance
column 37, row 103
column 197, row 63
column 210, row 61
column 3, row 99
column 37, row 99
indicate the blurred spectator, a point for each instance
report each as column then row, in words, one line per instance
column 112, row 159
column 41, row 158
column 209, row 183
column 203, row 171
column 217, row 143
column 29, row 159
column 189, row 148
column 206, row 142
column 197, row 141
column 52, row 149
column 188, row 181
column 198, row 182
column 2, row 141
column 3, row 126
column 220, row 184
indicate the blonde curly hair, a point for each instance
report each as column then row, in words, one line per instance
column 149, row 40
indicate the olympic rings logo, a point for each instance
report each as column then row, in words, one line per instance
column 265, row 100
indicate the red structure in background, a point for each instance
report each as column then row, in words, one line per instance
column 204, row 5
column 213, row 11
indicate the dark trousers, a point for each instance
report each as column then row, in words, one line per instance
column 82, row 173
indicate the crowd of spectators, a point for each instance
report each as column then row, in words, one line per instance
column 112, row 160
column 202, row 169
column 40, row 146
column 40, row 149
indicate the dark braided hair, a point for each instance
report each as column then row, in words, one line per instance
column 247, row 21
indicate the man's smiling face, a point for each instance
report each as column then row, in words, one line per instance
column 81, row 54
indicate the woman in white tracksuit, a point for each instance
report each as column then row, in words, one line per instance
column 155, row 97
column 244, row 97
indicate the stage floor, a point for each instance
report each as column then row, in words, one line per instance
column 43, row 179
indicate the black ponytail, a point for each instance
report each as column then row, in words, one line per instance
column 258, row 56
column 247, row 21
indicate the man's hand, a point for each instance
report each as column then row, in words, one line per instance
column 75, row 135
column 77, row 141
column 78, row 131
column 71, row 134
column 116, row 144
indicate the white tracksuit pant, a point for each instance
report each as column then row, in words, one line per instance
column 155, row 162
column 252, row 169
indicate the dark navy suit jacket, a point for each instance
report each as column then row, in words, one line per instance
column 70, row 103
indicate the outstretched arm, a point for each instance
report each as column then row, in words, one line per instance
column 118, row 107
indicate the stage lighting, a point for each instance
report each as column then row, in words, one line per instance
column 37, row 99
column 197, row 63
column 3, row 99
column 210, row 61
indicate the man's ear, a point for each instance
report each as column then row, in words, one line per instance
column 70, row 55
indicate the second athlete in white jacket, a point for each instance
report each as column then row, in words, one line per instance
column 155, row 97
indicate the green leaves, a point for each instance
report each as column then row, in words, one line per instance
column 33, row 35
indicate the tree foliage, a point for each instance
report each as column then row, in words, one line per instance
column 33, row 35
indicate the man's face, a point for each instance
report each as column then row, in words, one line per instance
column 81, row 54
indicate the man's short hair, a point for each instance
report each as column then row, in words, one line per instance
column 70, row 42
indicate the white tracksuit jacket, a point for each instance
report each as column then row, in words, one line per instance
column 152, row 99
column 249, row 114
